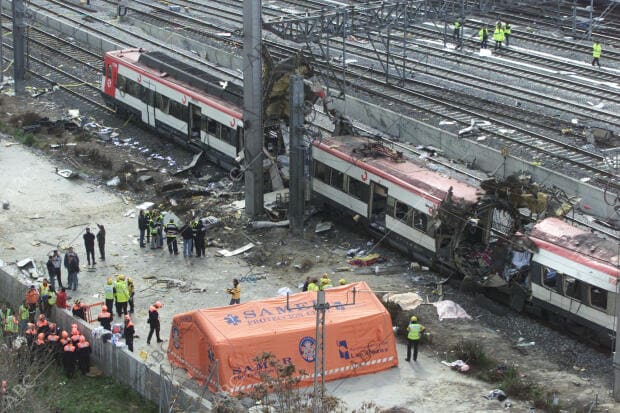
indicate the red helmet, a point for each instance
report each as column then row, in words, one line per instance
column 82, row 339
column 75, row 332
column 158, row 304
column 104, row 308
column 41, row 336
column 64, row 334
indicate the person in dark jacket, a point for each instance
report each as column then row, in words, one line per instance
column 72, row 263
column 89, row 243
column 105, row 318
column 143, row 223
column 51, row 271
column 199, row 239
column 101, row 242
column 188, row 239
column 68, row 359
column 153, row 321
column 128, row 332
column 83, row 355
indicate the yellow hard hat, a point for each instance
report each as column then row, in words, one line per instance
column 324, row 281
column 110, row 280
column 121, row 277
column 324, row 275
column 342, row 281
column 130, row 280
column 414, row 318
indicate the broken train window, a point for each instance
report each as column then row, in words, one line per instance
column 321, row 172
column 573, row 288
column 551, row 278
column 598, row 297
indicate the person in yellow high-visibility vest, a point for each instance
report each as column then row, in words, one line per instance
column 498, row 37
column 596, row 53
column 414, row 333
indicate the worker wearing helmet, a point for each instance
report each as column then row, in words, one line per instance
column 39, row 347
column 105, row 318
column 77, row 310
column 108, row 292
column 83, row 355
column 325, row 284
column 313, row 285
column 132, row 291
column 153, row 321
column 414, row 332
column 69, row 358
column 342, row 281
column 42, row 324
column 128, row 333
column 122, row 295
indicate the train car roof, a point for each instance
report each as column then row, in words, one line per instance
column 196, row 80
column 408, row 174
column 577, row 244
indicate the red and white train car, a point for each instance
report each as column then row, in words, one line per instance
column 392, row 195
column 574, row 274
column 179, row 101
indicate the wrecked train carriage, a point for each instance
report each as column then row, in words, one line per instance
column 193, row 107
column 395, row 197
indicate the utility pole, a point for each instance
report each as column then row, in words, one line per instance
column 297, row 193
column 591, row 20
column 616, row 362
column 320, row 307
column 1, row 47
column 253, row 106
column 19, row 27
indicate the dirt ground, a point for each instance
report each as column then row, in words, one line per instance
column 47, row 211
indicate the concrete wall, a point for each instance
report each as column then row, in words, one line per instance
column 115, row 362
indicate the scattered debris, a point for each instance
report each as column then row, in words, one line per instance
column 268, row 224
column 496, row 394
column 5, row 205
column 145, row 205
column 28, row 267
column 366, row 260
column 226, row 253
column 323, row 227
column 458, row 365
column 114, row 181
column 66, row 173
column 191, row 165
column 145, row 178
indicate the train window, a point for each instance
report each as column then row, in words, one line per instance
column 321, row 171
column 121, row 83
column 229, row 135
column 420, row 221
column 572, row 288
column 133, row 88
column 162, row 102
column 390, row 206
column 550, row 278
column 211, row 126
column 358, row 189
column 403, row 213
column 176, row 109
column 337, row 179
column 598, row 297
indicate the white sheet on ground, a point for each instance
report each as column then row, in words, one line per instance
column 407, row 301
column 450, row 309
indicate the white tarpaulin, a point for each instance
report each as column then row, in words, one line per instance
column 450, row 309
column 407, row 301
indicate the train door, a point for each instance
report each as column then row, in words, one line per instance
column 377, row 204
column 193, row 123
column 111, row 70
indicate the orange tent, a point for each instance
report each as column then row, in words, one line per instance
column 358, row 338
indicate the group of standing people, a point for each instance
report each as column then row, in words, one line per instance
column 151, row 224
column 89, row 243
column 501, row 34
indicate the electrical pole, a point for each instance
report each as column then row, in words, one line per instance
column 591, row 20
column 253, row 106
column 616, row 361
column 19, row 27
column 297, row 193
column 320, row 307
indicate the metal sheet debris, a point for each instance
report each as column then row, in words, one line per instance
column 268, row 224
column 28, row 267
column 191, row 165
column 323, row 227
column 226, row 253
column 66, row 173
column 145, row 205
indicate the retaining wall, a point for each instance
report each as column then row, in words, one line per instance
column 116, row 362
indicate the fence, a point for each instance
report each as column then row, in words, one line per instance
column 117, row 362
